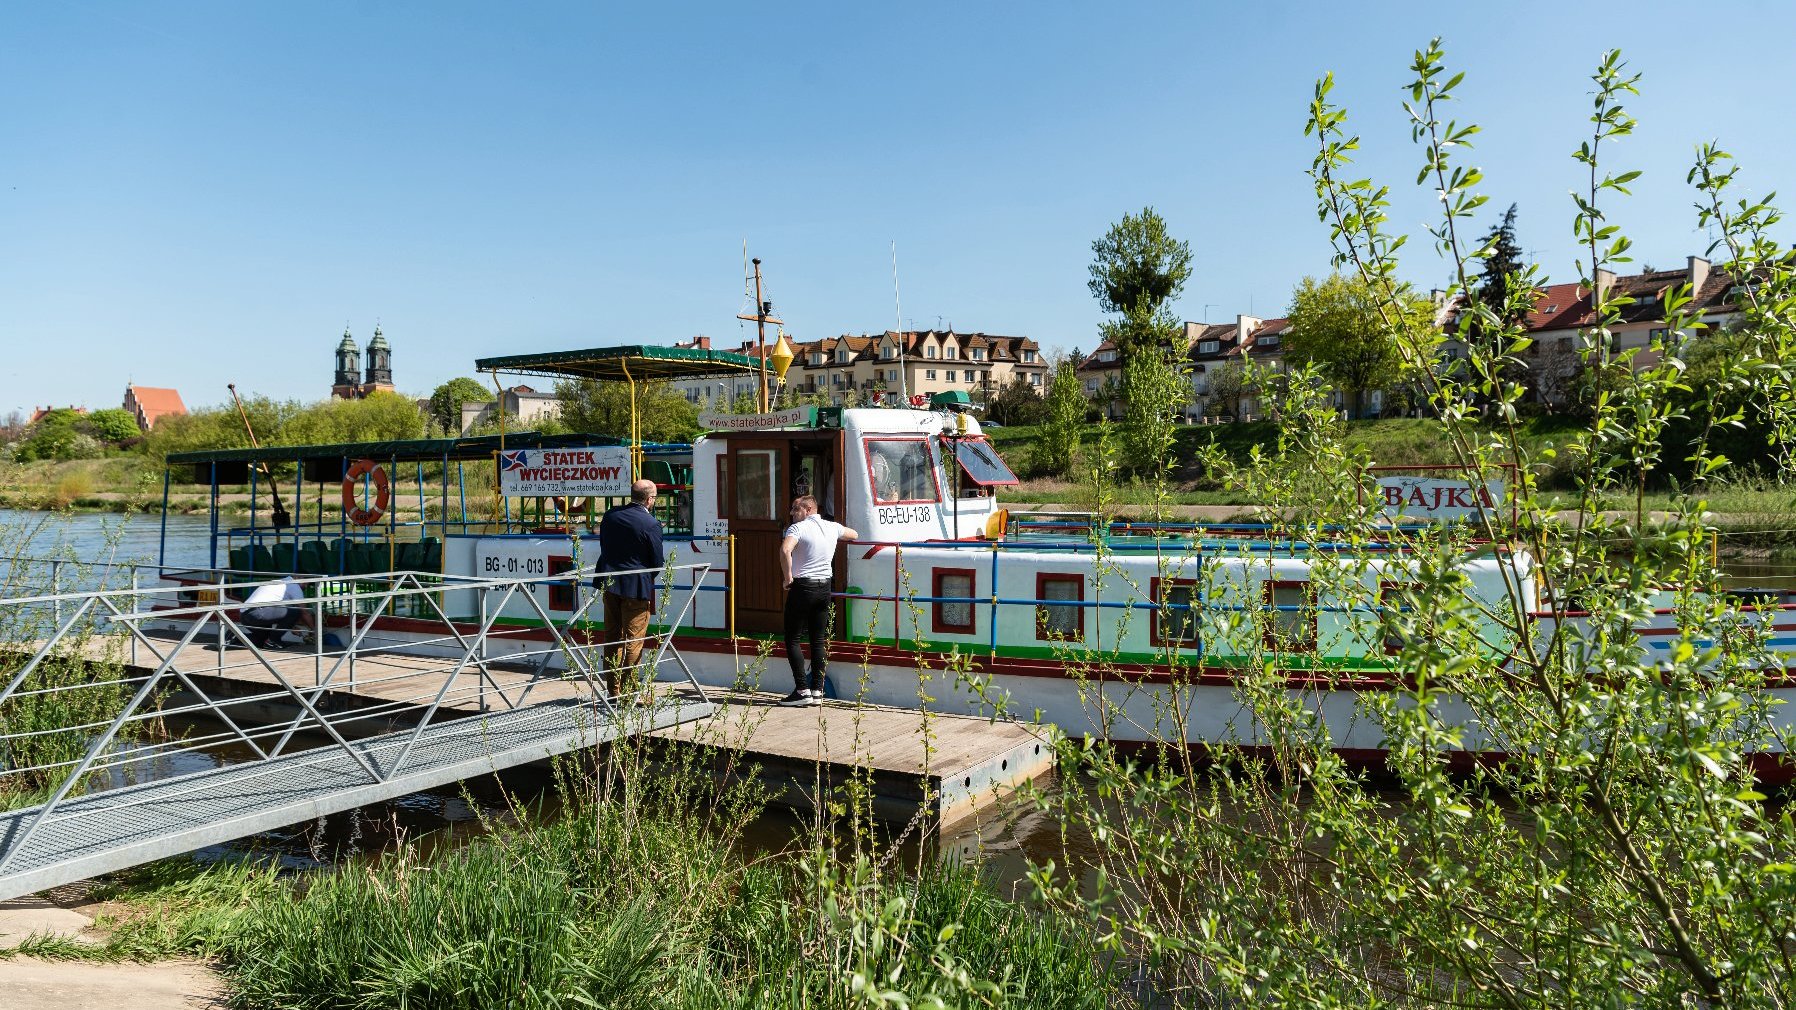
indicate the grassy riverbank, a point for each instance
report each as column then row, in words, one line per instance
column 641, row 901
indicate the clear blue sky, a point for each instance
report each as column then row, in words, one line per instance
column 206, row 192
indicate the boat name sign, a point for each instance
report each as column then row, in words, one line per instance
column 1438, row 500
column 602, row 470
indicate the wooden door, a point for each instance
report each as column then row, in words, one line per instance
column 764, row 474
column 758, row 471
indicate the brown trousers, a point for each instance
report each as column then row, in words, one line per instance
column 626, row 622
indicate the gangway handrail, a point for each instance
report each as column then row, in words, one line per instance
column 127, row 609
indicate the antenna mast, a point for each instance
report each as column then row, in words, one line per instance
column 763, row 315
column 898, row 321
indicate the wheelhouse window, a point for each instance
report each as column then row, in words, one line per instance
column 1291, row 616
column 953, row 610
column 1059, row 622
column 901, row 471
column 1174, row 618
column 755, row 484
column 979, row 463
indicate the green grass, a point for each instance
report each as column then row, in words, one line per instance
column 604, row 904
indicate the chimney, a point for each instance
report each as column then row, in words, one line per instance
column 1605, row 279
column 1699, row 274
column 1244, row 325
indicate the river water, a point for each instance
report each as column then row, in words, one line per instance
column 1005, row 839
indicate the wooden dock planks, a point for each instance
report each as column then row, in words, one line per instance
column 954, row 765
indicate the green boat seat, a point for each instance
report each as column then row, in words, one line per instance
column 314, row 559
column 262, row 559
column 285, row 558
column 240, row 558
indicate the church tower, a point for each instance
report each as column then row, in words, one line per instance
column 380, row 365
column 348, row 383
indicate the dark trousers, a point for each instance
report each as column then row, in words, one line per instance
column 808, row 611
column 267, row 632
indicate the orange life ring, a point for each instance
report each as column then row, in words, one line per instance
column 352, row 506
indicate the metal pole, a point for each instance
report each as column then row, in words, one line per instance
column 897, row 615
column 355, row 596
column 221, row 625
column 56, row 589
column 729, row 583
column 994, row 639
column 134, row 605
column 761, row 334
column 162, row 538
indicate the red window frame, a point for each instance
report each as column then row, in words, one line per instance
column 937, row 620
column 934, row 481
column 1041, row 583
column 1156, row 632
column 1270, row 637
column 561, row 597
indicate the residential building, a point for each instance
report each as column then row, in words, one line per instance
column 1101, row 370
column 921, row 363
column 1563, row 312
column 149, row 404
column 849, row 368
column 719, row 389
column 37, row 413
column 523, row 407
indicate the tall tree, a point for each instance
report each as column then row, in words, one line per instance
column 603, row 408
column 1053, row 453
column 1336, row 323
column 1226, row 384
column 1136, row 268
column 446, row 401
column 1503, row 267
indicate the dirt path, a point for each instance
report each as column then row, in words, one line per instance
column 30, row 984
column 27, row 983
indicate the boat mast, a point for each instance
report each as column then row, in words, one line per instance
column 763, row 315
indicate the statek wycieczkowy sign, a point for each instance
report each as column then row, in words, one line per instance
column 602, row 470
column 1436, row 499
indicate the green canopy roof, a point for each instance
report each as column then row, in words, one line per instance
column 424, row 449
column 634, row 361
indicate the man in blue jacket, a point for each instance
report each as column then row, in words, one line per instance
column 629, row 538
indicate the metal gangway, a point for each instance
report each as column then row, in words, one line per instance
column 366, row 714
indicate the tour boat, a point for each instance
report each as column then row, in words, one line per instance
column 946, row 599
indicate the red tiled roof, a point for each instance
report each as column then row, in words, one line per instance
column 150, row 403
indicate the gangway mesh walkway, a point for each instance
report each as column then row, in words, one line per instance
column 110, row 807
column 116, row 828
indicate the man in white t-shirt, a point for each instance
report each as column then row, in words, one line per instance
column 807, row 554
column 265, row 616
